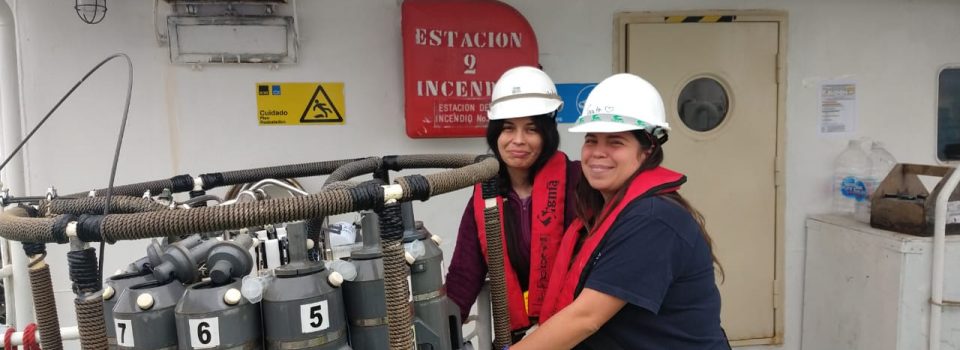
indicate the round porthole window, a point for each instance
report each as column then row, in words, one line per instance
column 703, row 104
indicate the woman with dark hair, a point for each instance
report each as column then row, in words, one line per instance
column 536, row 183
column 636, row 269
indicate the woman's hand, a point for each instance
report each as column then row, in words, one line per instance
column 574, row 323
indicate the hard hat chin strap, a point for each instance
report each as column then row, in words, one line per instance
column 526, row 95
column 660, row 134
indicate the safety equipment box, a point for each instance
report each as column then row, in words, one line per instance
column 901, row 202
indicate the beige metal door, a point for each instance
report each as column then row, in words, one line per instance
column 722, row 77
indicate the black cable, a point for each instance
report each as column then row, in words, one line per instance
column 54, row 109
column 200, row 198
column 116, row 153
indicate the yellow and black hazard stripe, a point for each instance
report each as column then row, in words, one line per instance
column 699, row 19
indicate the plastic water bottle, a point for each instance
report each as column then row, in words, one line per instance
column 881, row 162
column 850, row 171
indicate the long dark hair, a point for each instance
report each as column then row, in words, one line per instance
column 546, row 127
column 590, row 203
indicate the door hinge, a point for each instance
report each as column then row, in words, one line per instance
column 777, row 178
column 776, row 68
column 776, row 291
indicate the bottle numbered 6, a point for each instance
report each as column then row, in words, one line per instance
column 204, row 333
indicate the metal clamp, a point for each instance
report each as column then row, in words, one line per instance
column 428, row 296
column 370, row 322
column 309, row 343
column 51, row 193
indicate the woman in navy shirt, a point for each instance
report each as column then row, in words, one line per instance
column 636, row 269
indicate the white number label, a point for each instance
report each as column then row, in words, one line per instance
column 314, row 317
column 204, row 333
column 124, row 332
column 470, row 62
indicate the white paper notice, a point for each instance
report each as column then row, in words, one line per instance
column 838, row 107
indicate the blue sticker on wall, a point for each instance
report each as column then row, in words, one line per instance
column 573, row 95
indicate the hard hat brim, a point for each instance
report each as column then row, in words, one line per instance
column 525, row 107
column 604, row 127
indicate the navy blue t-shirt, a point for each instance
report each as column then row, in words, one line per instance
column 655, row 258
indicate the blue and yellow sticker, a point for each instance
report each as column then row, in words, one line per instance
column 300, row 103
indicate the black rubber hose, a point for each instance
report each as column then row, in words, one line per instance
column 352, row 169
column 185, row 183
column 165, row 223
column 138, row 189
column 377, row 165
column 278, row 172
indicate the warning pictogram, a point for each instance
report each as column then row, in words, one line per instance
column 300, row 103
column 321, row 109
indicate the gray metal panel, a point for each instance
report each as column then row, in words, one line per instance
column 425, row 273
column 119, row 283
column 291, row 305
column 237, row 326
column 367, row 306
column 154, row 328
column 435, row 314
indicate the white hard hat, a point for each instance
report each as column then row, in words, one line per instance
column 623, row 102
column 523, row 92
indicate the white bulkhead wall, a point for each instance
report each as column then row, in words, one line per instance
column 195, row 121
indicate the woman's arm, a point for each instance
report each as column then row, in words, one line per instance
column 467, row 267
column 574, row 323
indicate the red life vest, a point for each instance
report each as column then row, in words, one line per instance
column 567, row 280
column 549, row 197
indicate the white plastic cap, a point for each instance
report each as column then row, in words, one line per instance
column 108, row 293
column 335, row 279
column 145, row 301
column 232, row 296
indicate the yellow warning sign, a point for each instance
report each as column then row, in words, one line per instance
column 300, row 103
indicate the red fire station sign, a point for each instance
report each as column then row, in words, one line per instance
column 453, row 53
